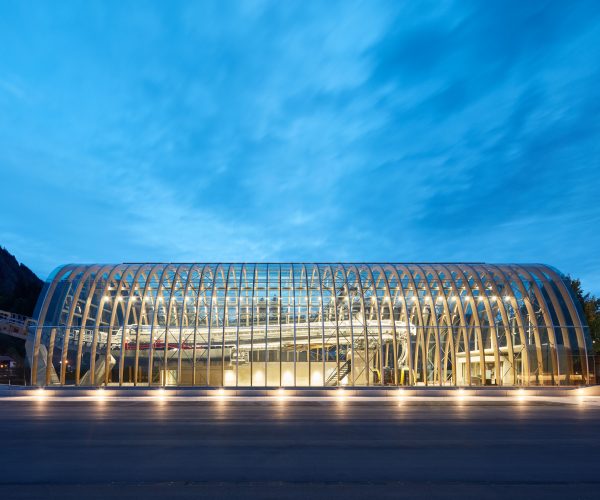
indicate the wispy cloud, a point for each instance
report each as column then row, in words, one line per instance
column 301, row 130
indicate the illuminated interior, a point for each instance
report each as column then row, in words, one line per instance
column 301, row 325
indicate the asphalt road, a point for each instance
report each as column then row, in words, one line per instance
column 208, row 449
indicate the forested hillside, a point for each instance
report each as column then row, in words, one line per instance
column 19, row 286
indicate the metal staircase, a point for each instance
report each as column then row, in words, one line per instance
column 344, row 370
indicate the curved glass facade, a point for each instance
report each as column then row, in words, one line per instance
column 276, row 325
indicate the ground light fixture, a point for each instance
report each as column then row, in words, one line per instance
column 101, row 394
column 280, row 395
column 401, row 395
column 460, row 394
column 161, row 394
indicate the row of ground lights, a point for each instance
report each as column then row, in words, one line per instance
column 340, row 394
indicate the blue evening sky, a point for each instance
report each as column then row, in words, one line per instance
column 313, row 131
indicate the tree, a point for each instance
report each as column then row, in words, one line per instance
column 591, row 308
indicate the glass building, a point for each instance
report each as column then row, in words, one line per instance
column 300, row 325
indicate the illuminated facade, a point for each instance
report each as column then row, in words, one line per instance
column 279, row 325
